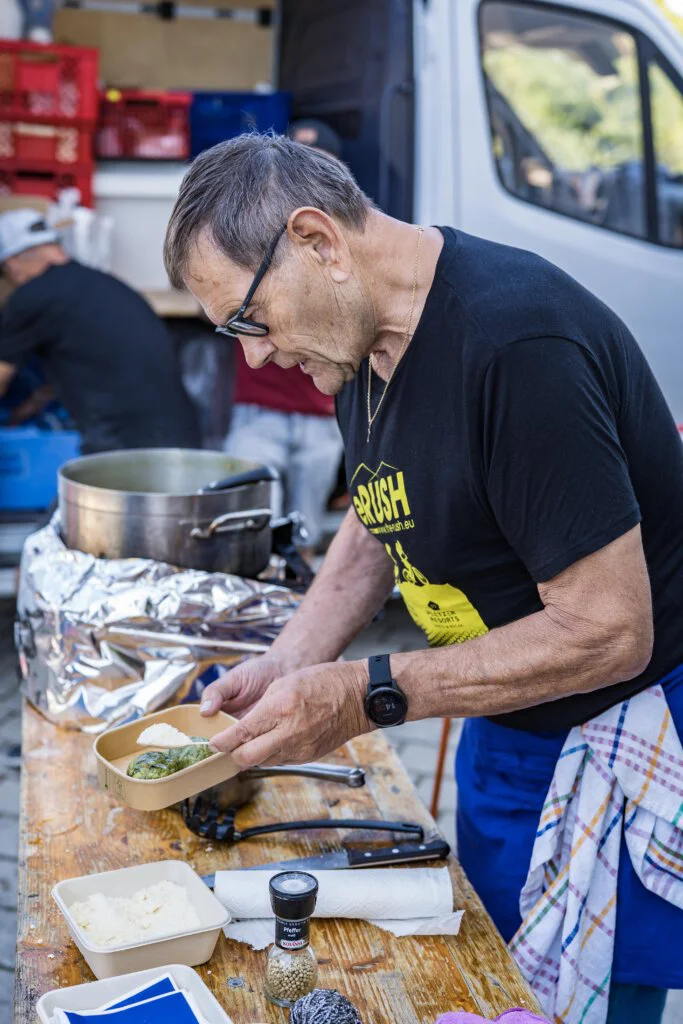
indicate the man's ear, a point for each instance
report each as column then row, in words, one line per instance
column 313, row 230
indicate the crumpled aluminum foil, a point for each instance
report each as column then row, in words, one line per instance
column 102, row 641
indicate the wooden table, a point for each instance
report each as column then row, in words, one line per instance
column 68, row 828
column 169, row 302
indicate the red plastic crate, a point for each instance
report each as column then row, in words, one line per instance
column 47, row 184
column 33, row 146
column 47, row 83
column 143, row 124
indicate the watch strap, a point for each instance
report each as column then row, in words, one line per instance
column 379, row 670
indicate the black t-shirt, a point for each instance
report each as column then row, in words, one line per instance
column 108, row 354
column 523, row 430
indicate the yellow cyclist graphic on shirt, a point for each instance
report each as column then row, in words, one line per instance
column 443, row 612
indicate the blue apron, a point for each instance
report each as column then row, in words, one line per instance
column 503, row 777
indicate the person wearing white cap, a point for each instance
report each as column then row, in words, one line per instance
column 22, row 231
column 107, row 354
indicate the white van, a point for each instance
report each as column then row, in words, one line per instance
column 556, row 127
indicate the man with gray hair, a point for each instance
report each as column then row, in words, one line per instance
column 513, row 468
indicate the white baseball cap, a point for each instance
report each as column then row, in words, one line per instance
column 21, row 230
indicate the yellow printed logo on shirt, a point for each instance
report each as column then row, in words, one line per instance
column 443, row 613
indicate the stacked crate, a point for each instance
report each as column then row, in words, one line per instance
column 143, row 124
column 48, row 110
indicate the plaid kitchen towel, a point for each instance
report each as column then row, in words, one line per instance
column 620, row 773
column 509, row 1017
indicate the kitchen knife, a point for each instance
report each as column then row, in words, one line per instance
column 403, row 853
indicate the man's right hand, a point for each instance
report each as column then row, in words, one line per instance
column 242, row 687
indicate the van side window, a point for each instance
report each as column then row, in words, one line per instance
column 666, row 101
column 564, row 104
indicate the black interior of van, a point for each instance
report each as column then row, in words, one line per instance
column 349, row 63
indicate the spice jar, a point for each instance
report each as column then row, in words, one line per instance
column 291, row 967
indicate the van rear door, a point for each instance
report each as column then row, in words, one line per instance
column 349, row 63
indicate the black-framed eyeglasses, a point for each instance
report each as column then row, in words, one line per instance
column 238, row 322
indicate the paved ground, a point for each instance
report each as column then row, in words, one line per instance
column 416, row 742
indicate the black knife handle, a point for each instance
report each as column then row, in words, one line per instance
column 403, row 853
column 403, row 827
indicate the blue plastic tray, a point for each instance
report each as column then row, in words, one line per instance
column 29, row 460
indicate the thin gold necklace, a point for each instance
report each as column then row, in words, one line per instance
column 372, row 416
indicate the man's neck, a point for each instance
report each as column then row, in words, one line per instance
column 40, row 260
column 390, row 256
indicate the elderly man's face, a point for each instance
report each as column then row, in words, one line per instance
column 312, row 301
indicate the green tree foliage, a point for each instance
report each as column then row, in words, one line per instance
column 580, row 118
column 667, row 120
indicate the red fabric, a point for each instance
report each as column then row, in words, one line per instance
column 280, row 390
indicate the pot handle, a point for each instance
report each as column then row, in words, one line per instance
column 262, row 474
column 253, row 520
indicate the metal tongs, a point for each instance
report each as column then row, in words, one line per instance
column 210, row 821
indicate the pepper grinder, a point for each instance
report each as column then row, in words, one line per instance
column 291, row 967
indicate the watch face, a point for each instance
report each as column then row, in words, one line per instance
column 386, row 707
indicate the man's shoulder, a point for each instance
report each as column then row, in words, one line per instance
column 80, row 275
column 26, row 298
column 513, row 294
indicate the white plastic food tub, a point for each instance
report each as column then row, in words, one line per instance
column 139, row 197
column 98, row 993
column 185, row 947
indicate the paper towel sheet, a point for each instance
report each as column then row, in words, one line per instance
column 390, row 898
column 259, row 934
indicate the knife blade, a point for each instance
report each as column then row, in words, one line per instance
column 402, row 853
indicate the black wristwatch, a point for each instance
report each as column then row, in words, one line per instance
column 385, row 703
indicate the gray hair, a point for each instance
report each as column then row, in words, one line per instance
column 243, row 191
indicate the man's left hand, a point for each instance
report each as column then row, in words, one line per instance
column 301, row 717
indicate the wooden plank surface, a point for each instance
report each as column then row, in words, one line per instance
column 68, row 828
column 169, row 302
column 147, row 52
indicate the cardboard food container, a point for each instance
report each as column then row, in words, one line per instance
column 116, row 748
column 86, row 997
column 93, row 994
column 184, row 947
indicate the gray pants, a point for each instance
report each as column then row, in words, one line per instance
column 305, row 450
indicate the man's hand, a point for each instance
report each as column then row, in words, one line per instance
column 300, row 717
column 242, row 687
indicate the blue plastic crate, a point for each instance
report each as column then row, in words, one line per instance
column 215, row 116
column 29, row 460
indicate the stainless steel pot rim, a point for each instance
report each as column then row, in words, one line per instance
column 134, row 455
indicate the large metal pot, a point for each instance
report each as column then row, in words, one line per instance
column 147, row 503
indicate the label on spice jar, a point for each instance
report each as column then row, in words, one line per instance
column 291, row 934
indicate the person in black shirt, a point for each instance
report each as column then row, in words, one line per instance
column 108, row 355
column 514, row 469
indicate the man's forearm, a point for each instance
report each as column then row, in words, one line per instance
column 527, row 662
column 353, row 583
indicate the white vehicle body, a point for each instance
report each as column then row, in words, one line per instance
column 457, row 181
